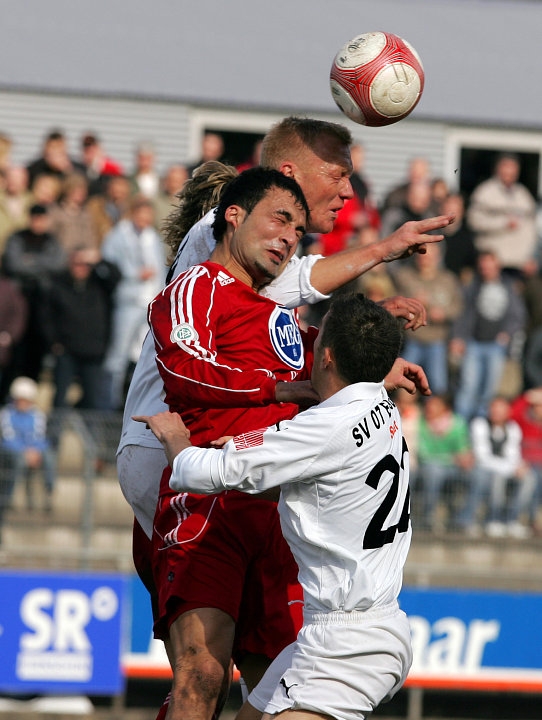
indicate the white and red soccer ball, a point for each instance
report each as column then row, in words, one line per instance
column 377, row 79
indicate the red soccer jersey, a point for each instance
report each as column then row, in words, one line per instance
column 221, row 348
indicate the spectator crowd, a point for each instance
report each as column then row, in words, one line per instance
column 82, row 254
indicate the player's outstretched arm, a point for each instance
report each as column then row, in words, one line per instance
column 407, row 375
column 331, row 272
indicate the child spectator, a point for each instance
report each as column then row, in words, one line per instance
column 24, row 441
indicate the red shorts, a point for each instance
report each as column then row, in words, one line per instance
column 142, row 556
column 227, row 551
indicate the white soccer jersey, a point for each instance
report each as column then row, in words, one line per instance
column 342, row 467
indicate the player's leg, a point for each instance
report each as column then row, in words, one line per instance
column 202, row 546
column 201, row 641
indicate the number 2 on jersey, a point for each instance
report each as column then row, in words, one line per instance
column 376, row 536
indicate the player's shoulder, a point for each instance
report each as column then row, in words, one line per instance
column 194, row 272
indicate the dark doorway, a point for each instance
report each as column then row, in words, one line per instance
column 239, row 146
column 477, row 165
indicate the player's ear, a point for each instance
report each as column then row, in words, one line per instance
column 288, row 168
column 234, row 215
column 327, row 357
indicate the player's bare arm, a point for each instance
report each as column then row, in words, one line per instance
column 330, row 272
column 170, row 431
column 301, row 393
column 407, row 375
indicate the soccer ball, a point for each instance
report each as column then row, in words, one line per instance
column 377, row 79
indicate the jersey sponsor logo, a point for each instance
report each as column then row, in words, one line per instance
column 183, row 333
column 248, row 440
column 286, row 338
column 224, row 279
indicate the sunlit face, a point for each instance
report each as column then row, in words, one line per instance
column 175, row 179
column 79, row 266
column 418, row 170
column 145, row 161
column 118, row 189
column 499, row 411
column 16, row 180
column 435, row 408
column 453, row 205
column 55, row 152
column 325, row 181
column 488, row 267
column 46, row 189
column 264, row 240
column 77, row 194
column 40, row 224
column 143, row 216
column 507, row 171
column 430, row 260
column 212, row 147
column 90, row 153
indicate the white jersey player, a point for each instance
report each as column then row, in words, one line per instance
column 342, row 470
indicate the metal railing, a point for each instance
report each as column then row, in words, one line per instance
column 86, row 500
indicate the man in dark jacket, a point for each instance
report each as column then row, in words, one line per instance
column 75, row 315
column 30, row 257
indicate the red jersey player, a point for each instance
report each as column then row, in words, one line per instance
column 209, row 551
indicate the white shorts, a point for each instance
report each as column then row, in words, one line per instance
column 140, row 470
column 343, row 664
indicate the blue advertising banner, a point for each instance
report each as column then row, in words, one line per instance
column 64, row 633
column 61, row 633
column 473, row 638
column 462, row 639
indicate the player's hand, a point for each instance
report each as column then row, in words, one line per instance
column 170, row 430
column 412, row 310
column 300, row 393
column 407, row 375
column 221, row 441
column 412, row 236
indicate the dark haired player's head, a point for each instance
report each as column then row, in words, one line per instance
column 364, row 339
column 248, row 188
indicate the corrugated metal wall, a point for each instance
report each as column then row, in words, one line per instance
column 388, row 151
column 121, row 124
